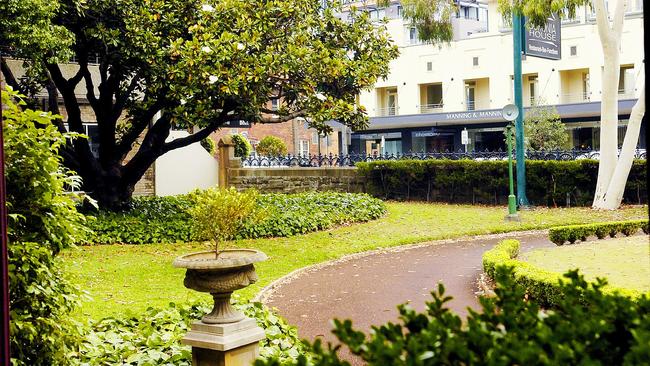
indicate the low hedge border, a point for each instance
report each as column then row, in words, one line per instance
column 549, row 183
column 542, row 286
column 167, row 220
column 572, row 233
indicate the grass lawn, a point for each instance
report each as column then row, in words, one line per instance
column 123, row 278
column 624, row 262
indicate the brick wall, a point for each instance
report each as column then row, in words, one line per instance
column 291, row 132
column 294, row 180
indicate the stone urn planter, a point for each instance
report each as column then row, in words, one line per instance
column 220, row 275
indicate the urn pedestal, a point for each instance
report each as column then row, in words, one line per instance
column 224, row 337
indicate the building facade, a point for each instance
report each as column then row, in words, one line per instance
column 434, row 92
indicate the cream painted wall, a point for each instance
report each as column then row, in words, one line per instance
column 452, row 64
column 185, row 169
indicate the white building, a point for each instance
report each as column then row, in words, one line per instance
column 435, row 91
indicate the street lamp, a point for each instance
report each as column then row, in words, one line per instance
column 510, row 113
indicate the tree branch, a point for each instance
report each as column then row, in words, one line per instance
column 602, row 21
column 619, row 15
column 10, row 79
column 198, row 136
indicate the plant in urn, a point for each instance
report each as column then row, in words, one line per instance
column 219, row 214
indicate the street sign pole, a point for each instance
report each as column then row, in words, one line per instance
column 517, row 31
column 510, row 113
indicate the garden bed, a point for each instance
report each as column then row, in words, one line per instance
column 167, row 220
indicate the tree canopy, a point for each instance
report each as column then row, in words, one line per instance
column 163, row 64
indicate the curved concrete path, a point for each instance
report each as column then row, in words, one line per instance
column 367, row 288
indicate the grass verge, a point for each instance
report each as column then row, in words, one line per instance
column 129, row 278
column 624, row 262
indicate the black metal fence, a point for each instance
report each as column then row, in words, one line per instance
column 349, row 160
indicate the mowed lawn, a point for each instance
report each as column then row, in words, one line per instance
column 624, row 262
column 129, row 278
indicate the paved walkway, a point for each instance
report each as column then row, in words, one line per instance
column 368, row 288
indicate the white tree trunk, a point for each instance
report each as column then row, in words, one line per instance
column 610, row 39
column 614, row 195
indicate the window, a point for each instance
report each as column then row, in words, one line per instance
column 399, row 11
column 303, row 148
column 585, row 86
column 315, row 138
column 413, row 35
column 533, row 87
column 573, row 50
column 92, row 131
column 475, row 61
column 470, row 95
column 275, row 104
column 377, row 14
column 626, row 81
column 429, row 66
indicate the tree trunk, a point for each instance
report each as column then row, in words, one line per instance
column 610, row 39
column 614, row 195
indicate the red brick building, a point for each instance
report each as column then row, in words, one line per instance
column 299, row 138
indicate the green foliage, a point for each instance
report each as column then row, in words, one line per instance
column 542, row 286
column 165, row 219
column 587, row 326
column 209, row 145
column 42, row 221
column 27, row 27
column 193, row 63
column 544, row 130
column 571, row 233
column 431, row 18
column 220, row 213
column 538, row 11
column 293, row 214
column 549, row 183
column 153, row 338
column 147, row 220
column 271, row 146
column 242, row 146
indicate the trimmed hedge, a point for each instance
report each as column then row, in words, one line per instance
column 571, row 233
column 549, row 183
column 166, row 219
column 542, row 286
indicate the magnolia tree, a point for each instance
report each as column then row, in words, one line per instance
column 613, row 169
column 187, row 63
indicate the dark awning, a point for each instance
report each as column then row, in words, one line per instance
column 467, row 118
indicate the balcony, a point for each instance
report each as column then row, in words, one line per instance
column 569, row 98
column 431, row 108
column 388, row 111
column 626, row 94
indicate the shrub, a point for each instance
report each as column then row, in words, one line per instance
column 541, row 285
column 153, row 338
column 549, row 183
column 219, row 214
column 242, row 146
column 42, row 221
column 271, row 146
column 571, row 233
column 165, row 219
column 508, row 330
column 209, row 145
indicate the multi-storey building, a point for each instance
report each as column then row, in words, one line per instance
column 434, row 92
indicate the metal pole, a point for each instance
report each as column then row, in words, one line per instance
column 4, row 261
column 512, row 204
column 517, row 28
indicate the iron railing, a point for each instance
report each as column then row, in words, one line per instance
column 349, row 160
